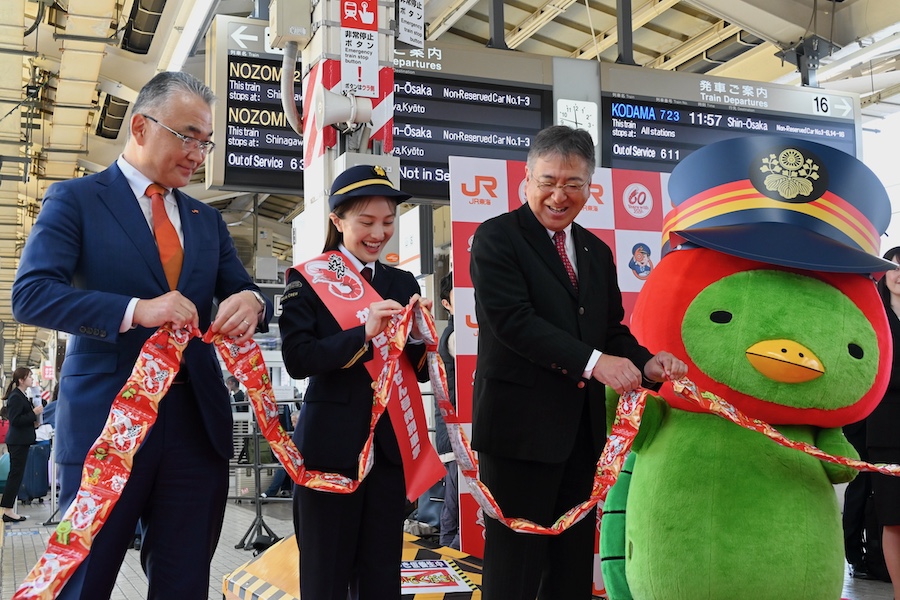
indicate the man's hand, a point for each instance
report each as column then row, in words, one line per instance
column 237, row 317
column 618, row 373
column 665, row 367
column 171, row 307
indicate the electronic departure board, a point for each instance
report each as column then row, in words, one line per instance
column 436, row 117
column 650, row 120
column 256, row 148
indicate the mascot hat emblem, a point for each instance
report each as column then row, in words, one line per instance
column 782, row 201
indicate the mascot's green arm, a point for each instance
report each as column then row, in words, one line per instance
column 833, row 442
column 654, row 413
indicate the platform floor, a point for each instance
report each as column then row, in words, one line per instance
column 21, row 544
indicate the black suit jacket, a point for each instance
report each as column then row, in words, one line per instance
column 536, row 334
column 334, row 421
column 21, row 419
column 882, row 424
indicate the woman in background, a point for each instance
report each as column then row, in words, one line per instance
column 22, row 419
column 881, row 432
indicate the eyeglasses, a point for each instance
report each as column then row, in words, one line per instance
column 569, row 189
column 187, row 142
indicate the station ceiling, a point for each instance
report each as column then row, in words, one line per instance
column 69, row 70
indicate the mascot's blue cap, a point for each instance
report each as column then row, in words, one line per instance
column 782, row 201
column 363, row 180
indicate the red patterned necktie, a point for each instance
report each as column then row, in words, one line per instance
column 367, row 274
column 170, row 251
column 559, row 238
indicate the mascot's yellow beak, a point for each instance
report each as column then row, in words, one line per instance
column 785, row 361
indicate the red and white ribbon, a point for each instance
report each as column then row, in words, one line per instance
column 134, row 411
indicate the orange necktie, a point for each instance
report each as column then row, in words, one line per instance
column 170, row 251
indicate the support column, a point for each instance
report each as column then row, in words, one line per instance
column 321, row 60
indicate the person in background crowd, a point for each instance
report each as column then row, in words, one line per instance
column 111, row 258
column 280, row 481
column 22, row 417
column 881, row 432
column 550, row 336
column 237, row 395
column 447, row 351
column 349, row 542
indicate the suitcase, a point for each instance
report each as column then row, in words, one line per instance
column 36, row 482
column 4, row 471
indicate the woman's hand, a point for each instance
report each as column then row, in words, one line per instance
column 380, row 314
column 427, row 303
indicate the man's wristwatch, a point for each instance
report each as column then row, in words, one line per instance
column 259, row 298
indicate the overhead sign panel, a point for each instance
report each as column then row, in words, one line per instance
column 256, row 148
column 411, row 22
column 451, row 101
column 653, row 119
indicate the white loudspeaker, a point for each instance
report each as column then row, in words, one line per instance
column 334, row 108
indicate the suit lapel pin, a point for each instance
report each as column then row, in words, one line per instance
column 195, row 211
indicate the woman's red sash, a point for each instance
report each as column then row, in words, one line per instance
column 347, row 297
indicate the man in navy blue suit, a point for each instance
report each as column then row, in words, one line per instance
column 91, row 267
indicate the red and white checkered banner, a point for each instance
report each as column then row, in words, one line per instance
column 316, row 138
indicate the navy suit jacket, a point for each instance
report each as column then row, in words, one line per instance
column 337, row 406
column 91, row 251
column 536, row 334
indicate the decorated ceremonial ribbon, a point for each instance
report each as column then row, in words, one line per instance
column 109, row 461
column 134, row 411
column 708, row 401
column 625, row 427
column 618, row 444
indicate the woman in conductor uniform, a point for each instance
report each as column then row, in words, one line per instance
column 349, row 542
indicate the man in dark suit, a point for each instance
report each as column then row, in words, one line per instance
column 91, row 267
column 550, row 336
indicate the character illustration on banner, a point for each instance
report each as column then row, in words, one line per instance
column 342, row 283
column 124, row 432
column 640, row 263
column 155, row 375
column 764, row 289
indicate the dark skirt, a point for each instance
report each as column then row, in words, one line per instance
column 886, row 487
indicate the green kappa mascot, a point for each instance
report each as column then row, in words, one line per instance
column 765, row 290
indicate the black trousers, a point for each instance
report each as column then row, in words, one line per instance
column 855, row 496
column 352, row 543
column 521, row 566
column 18, row 458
